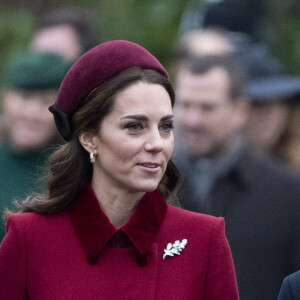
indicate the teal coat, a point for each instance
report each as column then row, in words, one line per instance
column 18, row 177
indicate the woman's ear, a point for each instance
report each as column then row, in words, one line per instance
column 88, row 141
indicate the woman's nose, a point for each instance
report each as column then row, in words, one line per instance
column 154, row 142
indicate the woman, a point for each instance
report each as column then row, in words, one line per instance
column 104, row 230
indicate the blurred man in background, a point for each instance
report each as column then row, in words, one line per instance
column 68, row 31
column 31, row 83
column 222, row 177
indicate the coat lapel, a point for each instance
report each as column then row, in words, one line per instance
column 94, row 230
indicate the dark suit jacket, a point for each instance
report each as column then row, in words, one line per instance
column 260, row 202
column 290, row 289
column 80, row 254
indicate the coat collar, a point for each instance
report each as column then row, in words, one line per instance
column 94, row 229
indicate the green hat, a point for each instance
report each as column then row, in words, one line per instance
column 36, row 71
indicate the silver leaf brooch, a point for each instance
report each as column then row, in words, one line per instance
column 175, row 248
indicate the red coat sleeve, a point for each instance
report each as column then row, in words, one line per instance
column 221, row 281
column 13, row 263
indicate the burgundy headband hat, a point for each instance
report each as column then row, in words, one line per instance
column 91, row 70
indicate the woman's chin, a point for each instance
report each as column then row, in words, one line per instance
column 149, row 187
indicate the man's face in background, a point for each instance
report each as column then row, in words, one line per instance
column 207, row 116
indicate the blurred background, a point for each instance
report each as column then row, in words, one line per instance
column 154, row 24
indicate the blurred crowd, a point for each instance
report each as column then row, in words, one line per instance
column 31, row 83
column 237, row 130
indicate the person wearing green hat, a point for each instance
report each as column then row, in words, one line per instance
column 31, row 82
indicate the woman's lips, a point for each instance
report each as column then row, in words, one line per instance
column 149, row 167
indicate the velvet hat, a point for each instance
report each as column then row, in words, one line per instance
column 35, row 71
column 93, row 69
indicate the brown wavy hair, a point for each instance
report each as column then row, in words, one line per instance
column 70, row 167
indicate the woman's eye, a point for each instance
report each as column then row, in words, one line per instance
column 134, row 126
column 167, row 126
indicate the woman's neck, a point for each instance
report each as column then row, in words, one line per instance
column 117, row 204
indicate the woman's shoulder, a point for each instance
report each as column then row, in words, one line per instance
column 189, row 216
column 194, row 221
column 32, row 221
column 33, row 217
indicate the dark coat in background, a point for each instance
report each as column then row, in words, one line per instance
column 290, row 289
column 260, row 202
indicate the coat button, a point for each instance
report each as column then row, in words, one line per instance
column 142, row 260
column 92, row 259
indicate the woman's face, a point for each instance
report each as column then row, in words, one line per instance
column 135, row 140
column 266, row 124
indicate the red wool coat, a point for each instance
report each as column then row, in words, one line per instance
column 79, row 254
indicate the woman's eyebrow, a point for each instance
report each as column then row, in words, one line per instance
column 136, row 117
column 167, row 117
column 144, row 118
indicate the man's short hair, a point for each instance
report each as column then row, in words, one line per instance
column 79, row 19
column 203, row 64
